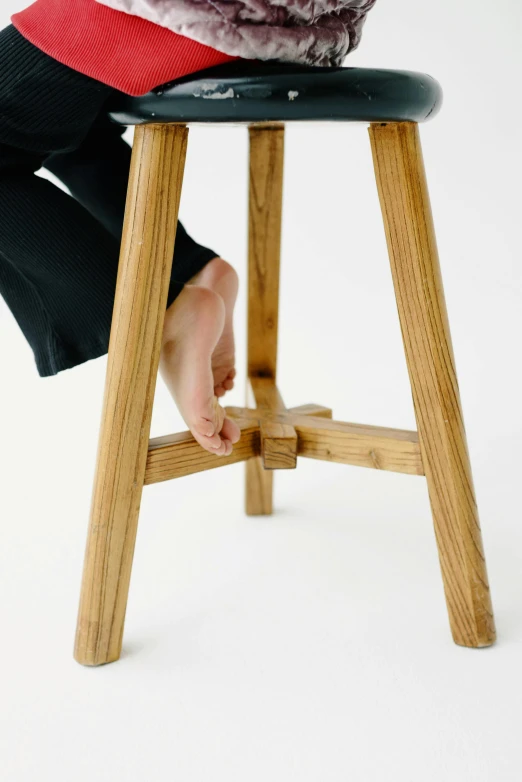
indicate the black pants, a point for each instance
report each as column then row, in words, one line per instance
column 59, row 252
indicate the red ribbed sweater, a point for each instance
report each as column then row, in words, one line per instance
column 120, row 50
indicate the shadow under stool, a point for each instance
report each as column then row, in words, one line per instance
column 264, row 96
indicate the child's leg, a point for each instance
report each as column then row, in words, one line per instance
column 97, row 174
column 203, row 310
column 221, row 278
column 194, row 325
column 58, row 263
column 59, row 266
column 57, row 292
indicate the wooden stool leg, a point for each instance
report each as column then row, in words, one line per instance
column 405, row 205
column 149, row 230
column 265, row 206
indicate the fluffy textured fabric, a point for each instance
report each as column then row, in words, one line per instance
column 312, row 32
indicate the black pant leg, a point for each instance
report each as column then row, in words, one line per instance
column 58, row 262
column 96, row 174
column 56, row 254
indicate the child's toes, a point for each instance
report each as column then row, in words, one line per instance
column 228, row 447
column 231, row 430
column 228, row 384
column 212, row 444
column 224, row 449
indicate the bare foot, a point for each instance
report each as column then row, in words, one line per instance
column 194, row 325
column 220, row 277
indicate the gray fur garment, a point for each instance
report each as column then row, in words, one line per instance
column 312, row 32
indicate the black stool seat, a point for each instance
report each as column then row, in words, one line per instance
column 265, row 92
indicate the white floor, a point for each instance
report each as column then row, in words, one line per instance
column 314, row 645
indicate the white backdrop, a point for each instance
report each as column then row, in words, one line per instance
column 314, row 645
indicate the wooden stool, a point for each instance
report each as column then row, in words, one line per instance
column 264, row 96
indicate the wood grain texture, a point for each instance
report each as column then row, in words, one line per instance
column 177, row 455
column 264, row 244
column 154, row 190
column 319, row 437
column 265, row 394
column 376, row 447
column 317, row 410
column 259, row 483
column 265, row 205
column 258, row 489
column 410, row 236
column 278, row 445
column 247, row 413
column 278, row 440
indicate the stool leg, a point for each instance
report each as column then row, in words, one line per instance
column 405, row 205
column 264, row 242
column 154, row 190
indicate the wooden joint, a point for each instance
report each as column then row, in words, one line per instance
column 278, row 445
